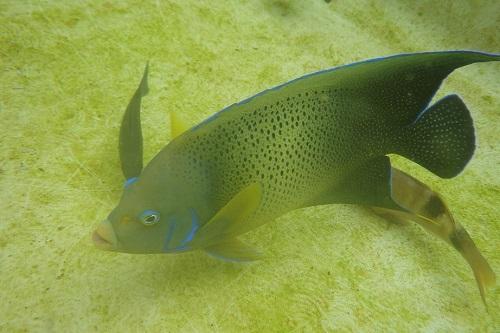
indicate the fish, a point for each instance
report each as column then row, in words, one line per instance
column 320, row 139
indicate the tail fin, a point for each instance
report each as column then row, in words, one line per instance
column 426, row 207
column 485, row 277
column 441, row 139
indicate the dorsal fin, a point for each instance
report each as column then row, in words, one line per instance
column 177, row 125
column 130, row 145
column 401, row 85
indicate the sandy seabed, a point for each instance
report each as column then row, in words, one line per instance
column 67, row 70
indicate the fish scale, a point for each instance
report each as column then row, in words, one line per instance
column 289, row 146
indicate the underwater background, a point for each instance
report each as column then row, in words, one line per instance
column 67, row 71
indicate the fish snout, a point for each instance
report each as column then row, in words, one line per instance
column 104, row 236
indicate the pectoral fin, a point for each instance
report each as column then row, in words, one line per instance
column 368, row 184
column 130, row 145
column 233, row 250
column 230, row 220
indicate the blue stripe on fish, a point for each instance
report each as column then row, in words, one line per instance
column 169, row 235
column 130, row 181
column 189, row 237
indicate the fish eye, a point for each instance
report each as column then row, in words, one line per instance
column 149, row 217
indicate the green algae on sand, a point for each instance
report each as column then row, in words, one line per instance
column 58, row 168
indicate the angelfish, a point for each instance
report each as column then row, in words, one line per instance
column 320, row 139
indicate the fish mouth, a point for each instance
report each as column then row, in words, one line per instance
column 104, row 236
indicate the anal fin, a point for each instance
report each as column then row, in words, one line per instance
column 368, row 184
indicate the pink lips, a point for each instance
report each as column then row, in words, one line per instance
column 104, row 237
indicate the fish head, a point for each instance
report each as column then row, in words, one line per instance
column 147, row 220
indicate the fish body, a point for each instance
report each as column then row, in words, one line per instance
column 319, row 139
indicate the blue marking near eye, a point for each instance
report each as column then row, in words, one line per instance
column 169, row 235
column 194, row 228
column 149, row 212
column 189, row 237
column 130, row 181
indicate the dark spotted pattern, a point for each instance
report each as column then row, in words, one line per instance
column 304, row 137
column 291, row 146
